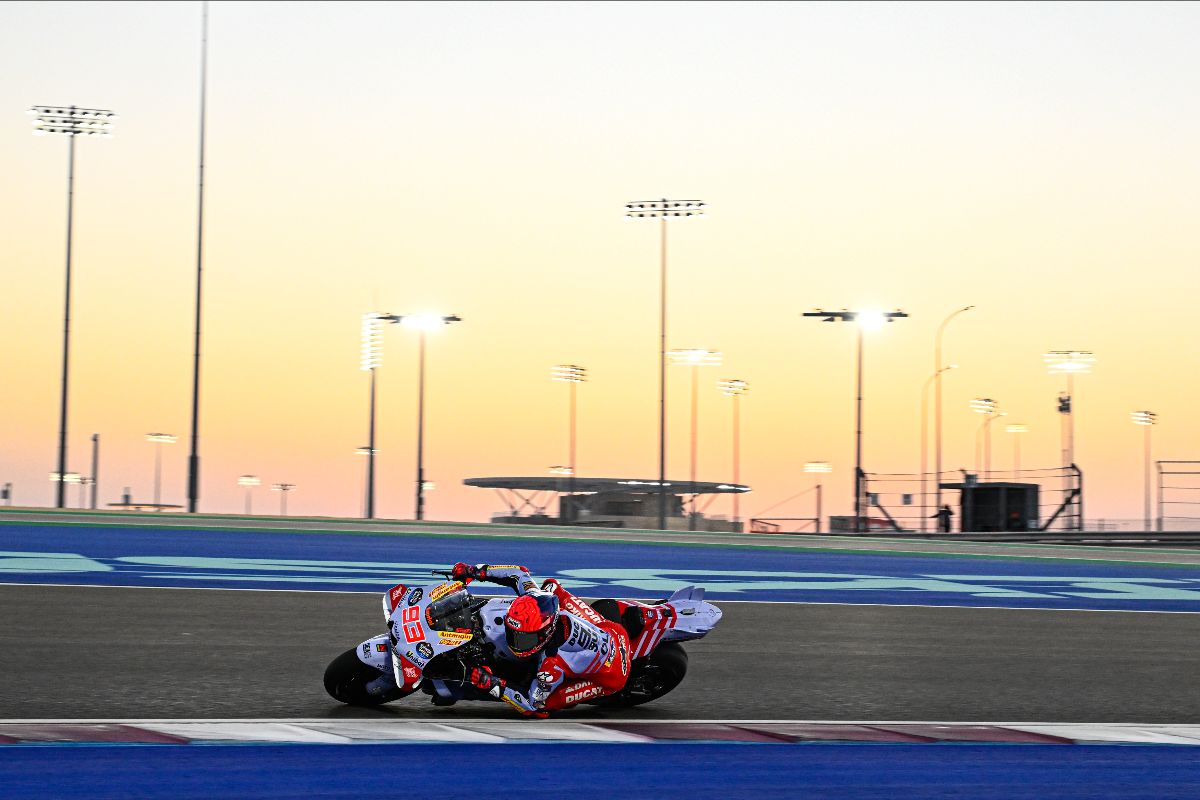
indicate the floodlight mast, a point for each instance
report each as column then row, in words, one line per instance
column 735, row 388
column 864, row 319
column 570, row 374
column 662, row 210
column 1147, row 419
column 69, row 121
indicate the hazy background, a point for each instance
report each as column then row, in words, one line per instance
column 1037, row 160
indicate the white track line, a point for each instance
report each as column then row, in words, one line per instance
column 714, row 600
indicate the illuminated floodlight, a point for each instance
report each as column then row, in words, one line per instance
column 695, row 357
column 372, row 340
column 427, row 322
column 68, row 477
column 868, row 319
column 1143, row 417
column 871, row 320
column 818, row 466
column 733, row 387
column 983, row 405
column 1016, row 429
column 568, row 373
column 1069, row 362
column 165, row 438
column 661, row 209
column 282, row 487
column 249, row 480
column 72, row 121
column 561, row 471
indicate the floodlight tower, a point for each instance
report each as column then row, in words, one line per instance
column 735, row 388
column 865, row 320
column 1069, row 363
column 1017, row 431
column 69, row 121
column 423, row 324
column 987, row 407
column 694, row 359
column 248, row 481
column 371, row 357
column 159, row 440
column 818, row 468
column 1147, row 419
column 662, row 210
column 283, row 489
column 571, row 375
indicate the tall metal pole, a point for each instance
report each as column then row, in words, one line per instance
column 818, row 508
column 1147, row 476
column 937, row 413
column 695, row 409
column 61, row 499
column 371, row 454
column 571, row 454
column 662, row 378
column 157, row 474
column 421, row 430
column 194, row 457
column 661, row 209
column 1017, row 455
column 858, row 430
column 95, row 467
column 737, row 518
column 1071, row 419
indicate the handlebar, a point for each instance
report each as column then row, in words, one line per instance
column 443, row 572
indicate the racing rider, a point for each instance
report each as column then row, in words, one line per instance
column 577, row 660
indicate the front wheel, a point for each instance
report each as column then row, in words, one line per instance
column 651, row 677
column 349, row 680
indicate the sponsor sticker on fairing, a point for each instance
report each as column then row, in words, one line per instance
column 380, row 647
column 586, row 693
column 396, row 594
column 425, row 649
column 453, row 638
column 437, row 593
column 414, row 596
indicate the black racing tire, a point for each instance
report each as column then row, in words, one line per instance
column 651, row 677
column 346, row 680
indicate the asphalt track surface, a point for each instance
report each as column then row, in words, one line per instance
column 103, row 652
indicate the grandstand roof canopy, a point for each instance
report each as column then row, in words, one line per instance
column 631, row 485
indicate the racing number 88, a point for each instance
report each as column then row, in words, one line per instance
column 413, row 632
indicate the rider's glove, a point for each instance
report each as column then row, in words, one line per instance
column 542, row 688
column 467, row 572
column 483, row 680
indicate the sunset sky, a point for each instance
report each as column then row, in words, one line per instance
column 1039, row 161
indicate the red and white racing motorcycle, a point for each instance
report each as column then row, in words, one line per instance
column 442, row 627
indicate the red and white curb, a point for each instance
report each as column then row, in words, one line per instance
column 317, row 731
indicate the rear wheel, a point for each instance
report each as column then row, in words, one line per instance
column 350, row 681
column 651, row 677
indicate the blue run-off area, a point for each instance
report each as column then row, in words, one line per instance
column 206, row 558
column 603, row 771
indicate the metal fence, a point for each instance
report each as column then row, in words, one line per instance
column 907, row 501
column 1178, row 495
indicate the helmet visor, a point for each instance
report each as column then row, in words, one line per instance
column 524, row 641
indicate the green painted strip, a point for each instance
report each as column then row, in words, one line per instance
column 425, row 529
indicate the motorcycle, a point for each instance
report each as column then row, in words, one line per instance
column 436, row 634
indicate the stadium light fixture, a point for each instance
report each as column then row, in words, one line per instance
column 662, row 210
column 863, row 320
column 69, row 121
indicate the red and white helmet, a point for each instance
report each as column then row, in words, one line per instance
column 530, row 622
